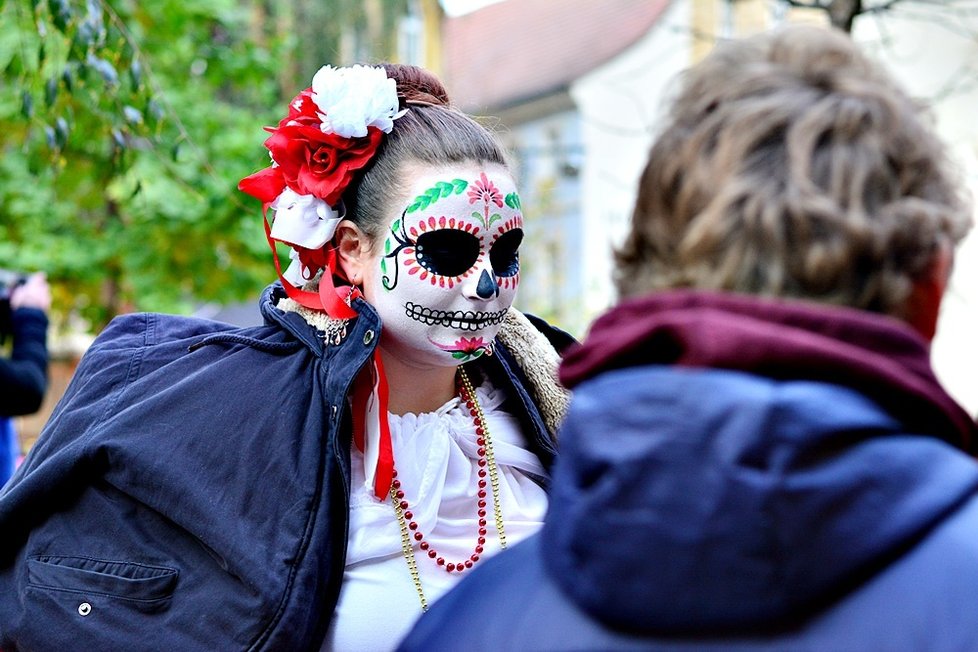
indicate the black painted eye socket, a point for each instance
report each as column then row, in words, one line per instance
column 505, row 253
column 447, row 252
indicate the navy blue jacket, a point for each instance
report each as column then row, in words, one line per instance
column 24, row 375
column 190, row 491
column 738, row 474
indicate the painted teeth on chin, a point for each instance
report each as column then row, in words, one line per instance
column 456, row 319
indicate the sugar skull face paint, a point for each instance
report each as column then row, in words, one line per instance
column 448, row 266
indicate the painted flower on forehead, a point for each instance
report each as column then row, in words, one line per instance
column 486, row 191
column 331, row 132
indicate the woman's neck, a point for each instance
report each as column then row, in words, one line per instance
column 417, row 390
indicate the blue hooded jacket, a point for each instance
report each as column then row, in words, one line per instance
column 191, row 489
column 741, row 474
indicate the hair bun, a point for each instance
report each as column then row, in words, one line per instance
column 417, row 86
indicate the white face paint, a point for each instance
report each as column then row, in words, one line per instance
column 446, row 269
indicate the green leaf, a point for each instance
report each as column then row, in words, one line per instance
column 493, row 218
column 133, row 115
column 396, row 226
column 27, row 104
column 60, row 14
column 136, row 73
column 94, row 9
column 118, row 140
column 387, row 249
column 51, row 91
column 104, row 68
column 513, row 201
column 477, row 215
column 438, row 191
column 383, row 266
column 154, row 112
column 81, row 41
column 61, row 131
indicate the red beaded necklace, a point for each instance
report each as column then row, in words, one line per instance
column 410, row 531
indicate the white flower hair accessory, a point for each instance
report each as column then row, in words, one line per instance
column 352, row 99
column 332, row 130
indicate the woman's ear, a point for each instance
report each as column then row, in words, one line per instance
column 924, row 303
column 353, row 248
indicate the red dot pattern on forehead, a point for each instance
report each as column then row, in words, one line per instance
column 442, row 222
column 515, row 222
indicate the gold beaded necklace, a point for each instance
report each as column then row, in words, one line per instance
column 410, row 532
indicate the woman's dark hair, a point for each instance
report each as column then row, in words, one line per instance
column 431, row 132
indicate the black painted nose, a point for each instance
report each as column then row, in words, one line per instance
column 487, row 288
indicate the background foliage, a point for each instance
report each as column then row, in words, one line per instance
column 126, row 127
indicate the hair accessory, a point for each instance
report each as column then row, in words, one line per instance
column 332, row 130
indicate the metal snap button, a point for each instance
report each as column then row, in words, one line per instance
column 84, row 609
column 368, row 337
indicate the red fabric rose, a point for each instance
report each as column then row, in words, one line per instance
column 264, row 185
column 312, row 162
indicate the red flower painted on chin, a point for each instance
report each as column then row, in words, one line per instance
column 310, row 162
column 466, row 348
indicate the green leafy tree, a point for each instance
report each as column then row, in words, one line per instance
column 127, row 125
column 125, row 130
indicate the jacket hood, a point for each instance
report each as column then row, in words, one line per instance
column 879, row 356
column 720, row 471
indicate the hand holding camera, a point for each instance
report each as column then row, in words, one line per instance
column 33, row 293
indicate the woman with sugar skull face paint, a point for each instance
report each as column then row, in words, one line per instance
column 317, row 482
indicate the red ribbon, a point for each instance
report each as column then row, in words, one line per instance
column 374, row 383
column 333, row 301
column 330, row 298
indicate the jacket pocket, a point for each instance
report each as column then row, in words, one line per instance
column 138, row 583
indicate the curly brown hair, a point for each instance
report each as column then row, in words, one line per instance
column 793, row 166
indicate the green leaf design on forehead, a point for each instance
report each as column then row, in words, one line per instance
column 513, row 201
column 440, row 190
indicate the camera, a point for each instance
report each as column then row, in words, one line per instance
column 9, row 279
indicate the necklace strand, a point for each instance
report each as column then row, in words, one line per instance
column 405, row 518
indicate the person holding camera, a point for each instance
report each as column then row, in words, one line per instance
column 23, row 375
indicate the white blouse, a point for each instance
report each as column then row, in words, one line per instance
column 437, row 463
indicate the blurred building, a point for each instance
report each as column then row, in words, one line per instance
column 572, row 88
column 576, row 88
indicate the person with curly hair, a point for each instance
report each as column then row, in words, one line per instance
column 758, row 455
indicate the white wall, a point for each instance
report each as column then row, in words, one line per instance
column 933, row 53
column 620, row 103
column 547, row 153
